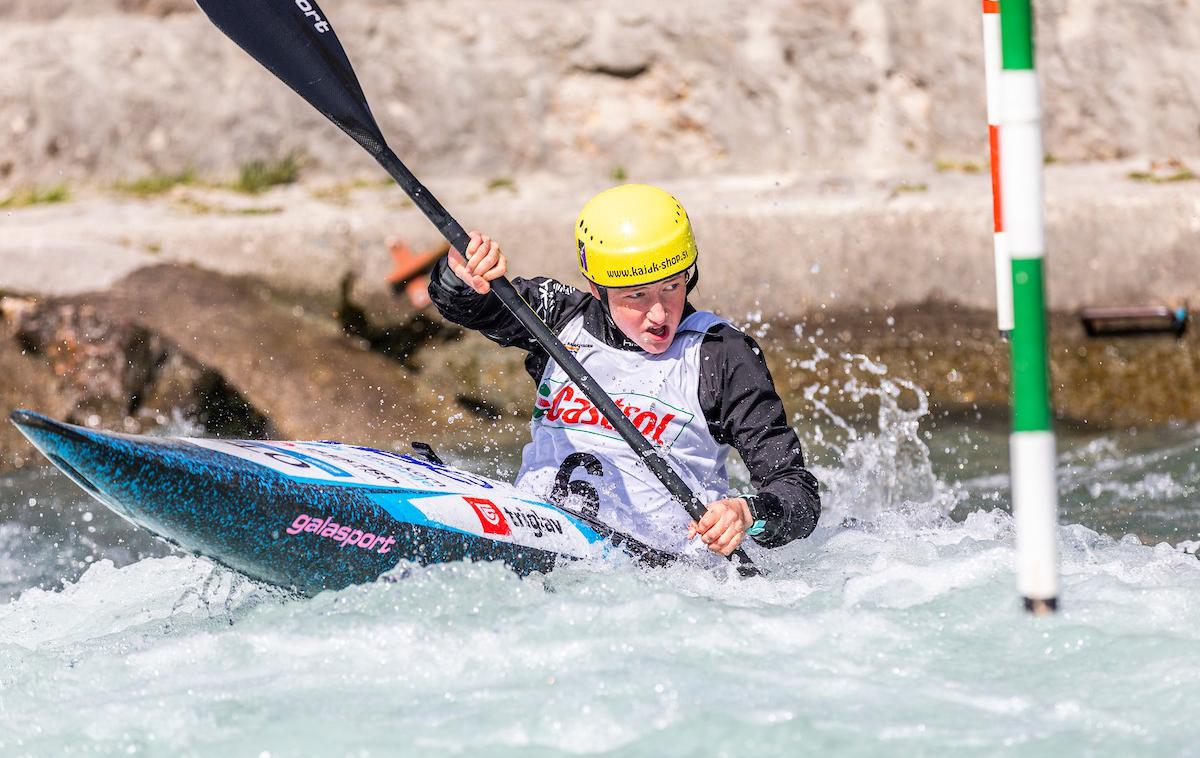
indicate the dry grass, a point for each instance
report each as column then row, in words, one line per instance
column 156, row 184
column 22, row 198
column 258, row 176
column 1163, row 172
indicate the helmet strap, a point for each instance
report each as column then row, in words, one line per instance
column 604, row 303
column 621, row 338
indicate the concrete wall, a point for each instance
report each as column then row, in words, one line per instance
column 95, row 90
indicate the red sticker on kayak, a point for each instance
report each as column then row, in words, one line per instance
column 490, row 517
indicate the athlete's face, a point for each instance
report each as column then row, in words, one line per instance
column 649, row 315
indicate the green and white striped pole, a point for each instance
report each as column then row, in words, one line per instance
column 1031, row 447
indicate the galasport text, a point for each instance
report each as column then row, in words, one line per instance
column 344, row 535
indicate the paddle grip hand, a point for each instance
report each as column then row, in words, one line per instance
column 724, row 525
column 480, row 264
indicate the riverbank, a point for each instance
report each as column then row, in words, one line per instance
column 178, row 348
column 781, row 246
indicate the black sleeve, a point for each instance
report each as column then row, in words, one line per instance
column 743, row 410
column 554, row 303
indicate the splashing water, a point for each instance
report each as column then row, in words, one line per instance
column 885, row 474
column 895, row 628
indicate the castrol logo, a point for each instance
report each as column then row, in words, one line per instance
column 568, row 407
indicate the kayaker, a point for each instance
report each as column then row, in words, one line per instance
column 691, row 382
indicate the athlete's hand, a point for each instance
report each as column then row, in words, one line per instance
column 724, row 524
column 483, row 263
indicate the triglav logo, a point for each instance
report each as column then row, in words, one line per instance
column 320, row 24
column 490, row 517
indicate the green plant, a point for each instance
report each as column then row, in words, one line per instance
column 910, row 187
column 57, row 193
column 259, row 176
column 945, row 165
column 502, row 182
column 156, row 184
column 618, row 174
column 1162, row 172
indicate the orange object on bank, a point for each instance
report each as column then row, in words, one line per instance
column 411, row 271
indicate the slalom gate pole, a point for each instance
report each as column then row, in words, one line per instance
column 991, row 66
column 1031, row 446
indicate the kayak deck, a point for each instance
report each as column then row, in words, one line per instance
column 311, row 516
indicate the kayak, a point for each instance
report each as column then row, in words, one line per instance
column 311, row 516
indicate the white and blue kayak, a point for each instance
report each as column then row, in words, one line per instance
column 311, row 516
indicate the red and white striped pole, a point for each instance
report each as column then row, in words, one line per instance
column 991, row 65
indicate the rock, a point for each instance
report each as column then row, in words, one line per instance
column 398, row 341
column 287, row 360
column 203, row 353
column 119, row 374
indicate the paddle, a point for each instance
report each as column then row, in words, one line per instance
column 294, row 40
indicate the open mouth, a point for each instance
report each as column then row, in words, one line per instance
column 658, row 332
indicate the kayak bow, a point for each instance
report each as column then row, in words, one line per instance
column 311, row 516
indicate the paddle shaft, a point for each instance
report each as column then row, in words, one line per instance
column 294, row 40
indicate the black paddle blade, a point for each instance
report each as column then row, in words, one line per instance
column 294, row 40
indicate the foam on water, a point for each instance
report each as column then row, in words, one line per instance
column 893, row 629
column 904, row 640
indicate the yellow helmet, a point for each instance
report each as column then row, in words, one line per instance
column 632, row 235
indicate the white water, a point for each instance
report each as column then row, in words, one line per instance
column 900, row 635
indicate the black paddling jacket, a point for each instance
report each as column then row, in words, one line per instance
column 737, row 394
